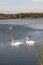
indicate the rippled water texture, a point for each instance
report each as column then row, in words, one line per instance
column 19, row 29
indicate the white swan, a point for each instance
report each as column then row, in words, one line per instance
column 13, row 43
column 29, row 42
column 10, row 28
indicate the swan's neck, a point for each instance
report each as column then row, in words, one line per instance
column 12, row 41
column 27, row 39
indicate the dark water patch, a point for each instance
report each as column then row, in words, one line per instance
column 22, row 55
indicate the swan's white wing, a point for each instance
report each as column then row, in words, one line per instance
column 17, row 44
column 30, row 42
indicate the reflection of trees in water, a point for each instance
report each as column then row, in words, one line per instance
column 42, row 53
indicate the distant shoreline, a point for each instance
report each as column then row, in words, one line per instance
column 21, row 16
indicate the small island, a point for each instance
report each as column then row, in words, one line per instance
column 21, row 15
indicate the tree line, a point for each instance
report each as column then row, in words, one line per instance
column 21, row 15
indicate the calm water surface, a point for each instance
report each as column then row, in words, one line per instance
column 19, row 29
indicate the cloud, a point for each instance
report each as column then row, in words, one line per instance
column 20, row 9
column 37, row 0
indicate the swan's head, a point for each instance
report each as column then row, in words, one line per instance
column 12, row 38
column 27, row 38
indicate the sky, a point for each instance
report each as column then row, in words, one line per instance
column 20, row 6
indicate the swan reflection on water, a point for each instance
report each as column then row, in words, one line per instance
column 27, row 42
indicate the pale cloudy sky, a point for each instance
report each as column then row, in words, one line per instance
column 19, row 6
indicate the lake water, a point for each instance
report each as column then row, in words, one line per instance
column 19, row 29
